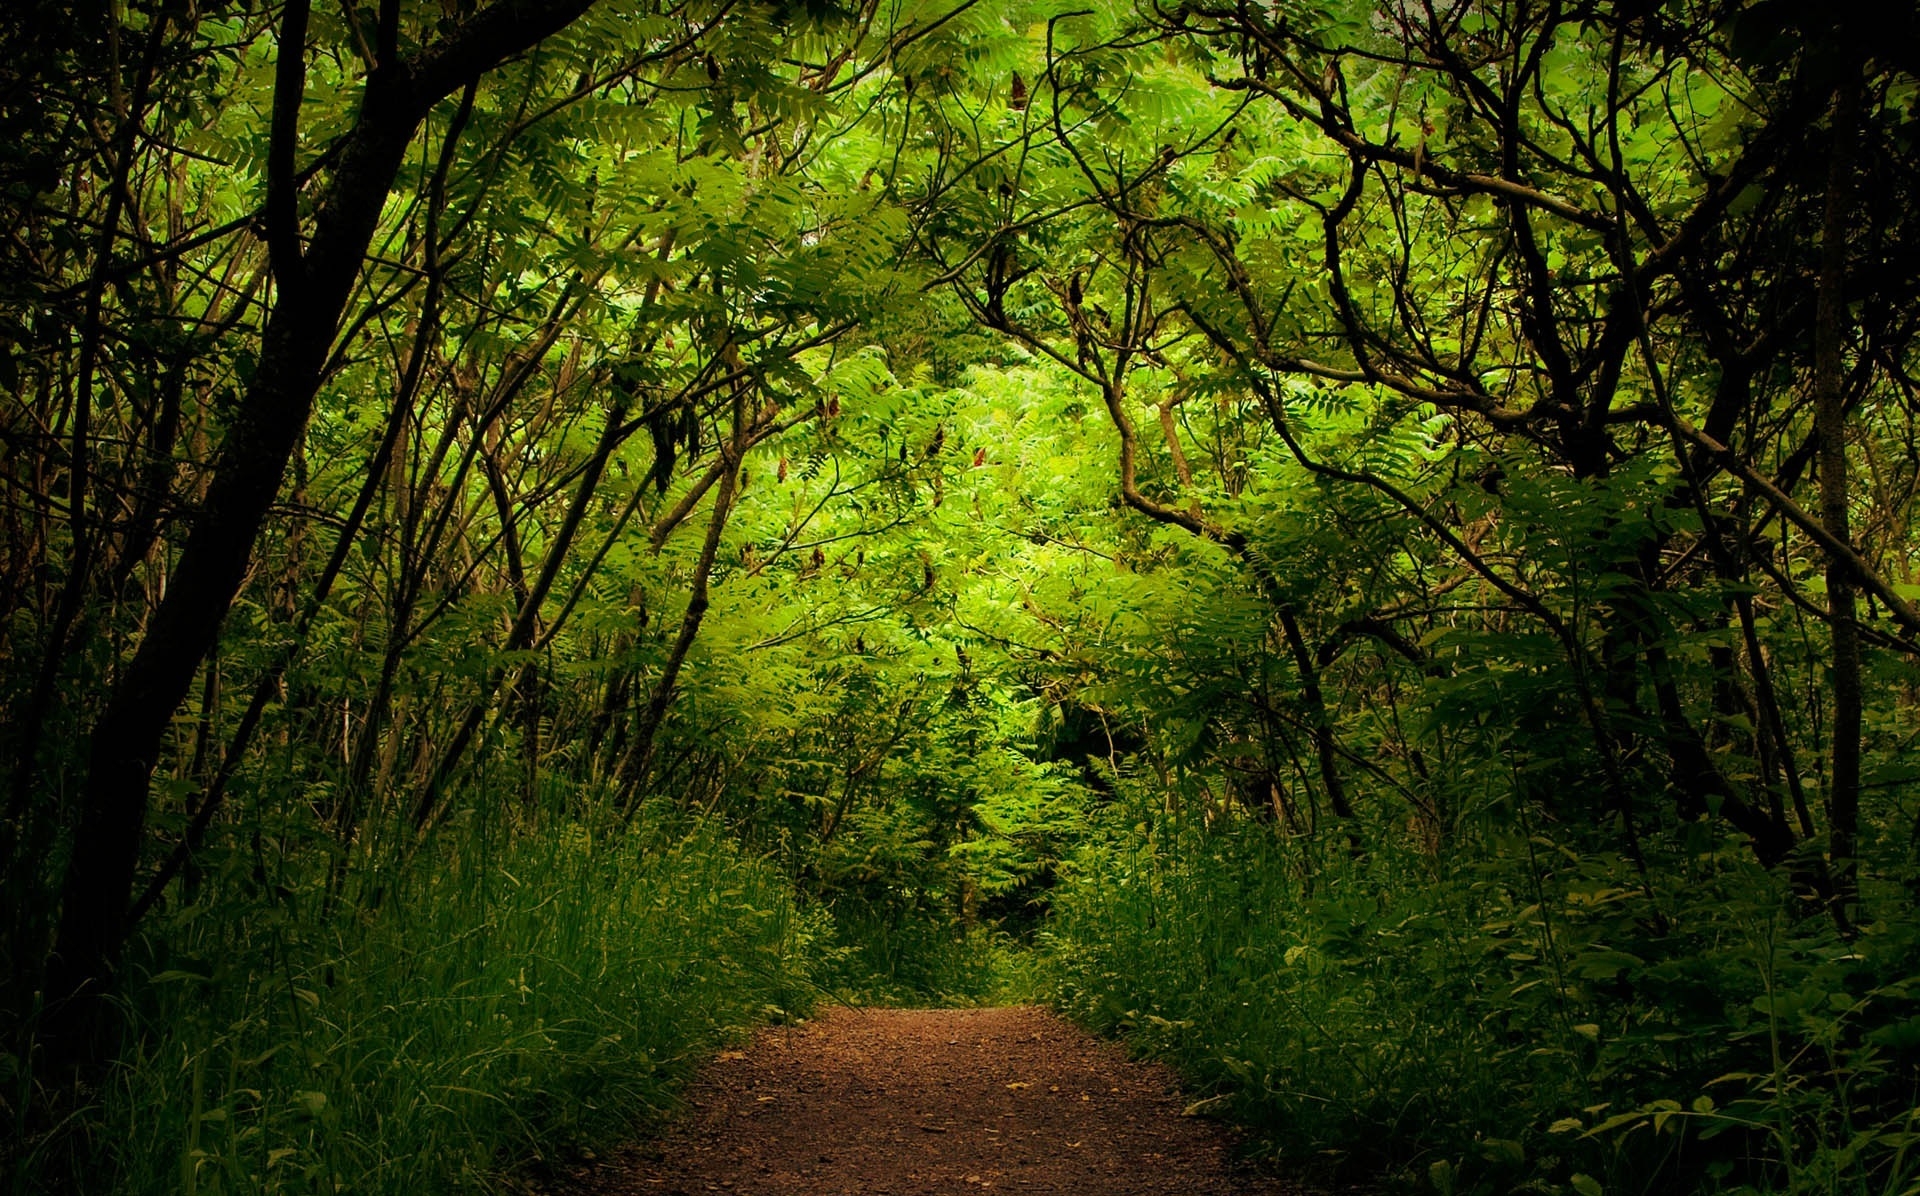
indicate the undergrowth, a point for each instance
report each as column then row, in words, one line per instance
column 892, row 956
column 1513, row 1020
column 447, row 1028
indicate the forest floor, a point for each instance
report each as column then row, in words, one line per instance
column 914, row 1102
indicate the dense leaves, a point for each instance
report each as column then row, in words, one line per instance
column 1367, row 548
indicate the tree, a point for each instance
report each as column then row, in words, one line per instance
column 1579, row 235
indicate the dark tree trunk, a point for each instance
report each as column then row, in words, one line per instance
column 1323, row 742
column 632, row 773
column 1830, row 430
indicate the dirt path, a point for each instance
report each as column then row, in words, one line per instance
column 919, row 1102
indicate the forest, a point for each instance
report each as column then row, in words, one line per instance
column 1364, row 549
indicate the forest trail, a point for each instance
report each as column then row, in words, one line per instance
column 918, row 1102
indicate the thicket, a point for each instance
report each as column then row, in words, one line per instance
column 1367, row 548
column 522, row 998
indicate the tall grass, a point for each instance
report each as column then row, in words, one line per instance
column 1514, row 1017
column 512, row 998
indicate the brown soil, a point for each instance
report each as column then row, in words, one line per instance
column 924, row 1101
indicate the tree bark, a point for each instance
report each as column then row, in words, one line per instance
column 1323, row 742
column 1829, row 421
column 639, row 757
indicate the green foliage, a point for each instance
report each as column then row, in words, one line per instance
column 1506, row 1019
column 504, row 1002
column 1381, row 536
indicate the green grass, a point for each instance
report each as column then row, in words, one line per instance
column 897, row 955
column 509, row 1000
column 1516, row 1024
column 902, row 957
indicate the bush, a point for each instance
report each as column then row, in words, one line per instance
column 1518, row 1019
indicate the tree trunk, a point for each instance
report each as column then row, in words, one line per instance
column 632, row 773
column 1323, row 741
column 1830, row 430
